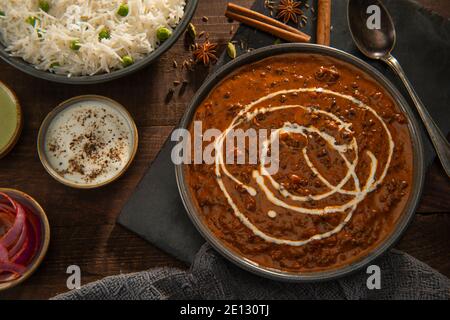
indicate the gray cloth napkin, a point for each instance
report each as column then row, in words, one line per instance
column 212, row 277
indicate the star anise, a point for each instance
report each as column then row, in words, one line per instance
column 205, row 53
column 289, row 10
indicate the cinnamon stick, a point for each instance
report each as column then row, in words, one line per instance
column 324, row 22
column 264, row 23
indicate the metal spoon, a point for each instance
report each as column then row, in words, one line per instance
column 378, row 44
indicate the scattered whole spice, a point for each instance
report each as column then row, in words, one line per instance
column 192, row 31
column 186, row 65
column 324, row 22
column 231, row 50
column 303, row 20
column 264, row 23
column 170, row 95
column 205, row 53
column 289, row 10
column 269, row 4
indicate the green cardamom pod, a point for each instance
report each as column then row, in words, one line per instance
column 192, row 31
column 231, row 50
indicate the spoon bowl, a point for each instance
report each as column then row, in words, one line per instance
column 372, row 42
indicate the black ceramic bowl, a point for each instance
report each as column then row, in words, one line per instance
column 24, row 66
column 418, row 164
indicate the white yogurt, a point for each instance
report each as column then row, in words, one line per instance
column 89, row 143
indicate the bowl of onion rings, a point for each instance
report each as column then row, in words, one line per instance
column 24, row 237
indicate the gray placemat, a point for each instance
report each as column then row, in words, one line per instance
column 155, row 210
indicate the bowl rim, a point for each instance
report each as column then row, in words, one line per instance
column 46, row 239
column 418, row 164
column 67, row 103
column 22, row 65
column 19, row 122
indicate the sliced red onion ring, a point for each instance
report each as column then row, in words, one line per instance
column 4, row 256
column 12, row 268
column 6, row 208
column 19, row 246
column 6, row 221
column 13, row 234
column 29, row 249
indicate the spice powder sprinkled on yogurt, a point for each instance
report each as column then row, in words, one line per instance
column 89, row 143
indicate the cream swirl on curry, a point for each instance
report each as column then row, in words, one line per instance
column 260, row 175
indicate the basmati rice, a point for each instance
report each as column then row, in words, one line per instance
column 47, row 44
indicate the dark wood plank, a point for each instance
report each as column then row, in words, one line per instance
column 436, row 191
column 83, row 222
column 428, row 239
column 99, row 250
column 107, row 249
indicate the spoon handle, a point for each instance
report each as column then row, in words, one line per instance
column 440, row 142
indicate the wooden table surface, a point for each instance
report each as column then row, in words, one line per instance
column 84, row 231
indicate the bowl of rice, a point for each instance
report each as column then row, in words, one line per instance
column 86, row 42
